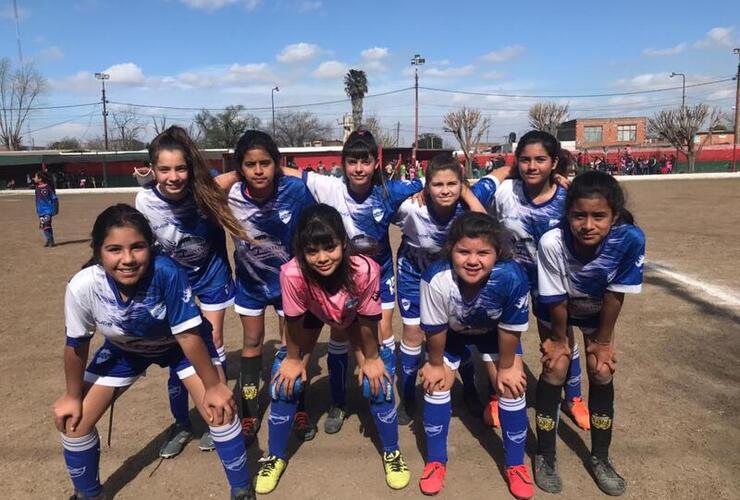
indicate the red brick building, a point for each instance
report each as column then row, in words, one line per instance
column 604, row 132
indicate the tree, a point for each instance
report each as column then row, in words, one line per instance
column 547, row 116
column 468, row 127
column 296, row 128
column 383, row 137
column 355, row 85
column 224, row 129
column 128, row 129
column 160, row 124
column 66, row 143
column 679, row 126
column 19, row 89
column 430, row 141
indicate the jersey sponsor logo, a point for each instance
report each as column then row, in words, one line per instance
column 378, row 214
column 276, row 419
column 103, row 356
column 236, row 464
column 601, row 421
column 388, row 417
column 75, row 472
column 285, row 215
column 406, row 304
column 191, row 250
column 187, row 295
column 640, row 261
column 545, row 423
column 433, row 430
column 517, row 437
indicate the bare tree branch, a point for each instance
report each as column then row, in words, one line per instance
column 547, row 116
column 296, row 128
column 382, row 136
column 128, row 128
column 680, row 126
column 468, row 128
column 18, row 91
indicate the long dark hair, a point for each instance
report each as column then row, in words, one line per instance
column 361, row 145
column 594, row 184
column 211, row 200
column 478, row 225
column 256, row 139
column 321, row 226
column 120, row 215
column 551, row 145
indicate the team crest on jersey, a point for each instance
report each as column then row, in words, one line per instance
column 601, row 422
column 517, row 437
column 104, row 355
column 236, row 464
column 378, row 214
column 405, row 303
column 249, row 391
column 285, row 215
column 545, row 423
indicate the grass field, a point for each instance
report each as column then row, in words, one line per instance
column 677, row 384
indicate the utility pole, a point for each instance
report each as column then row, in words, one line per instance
column 683, row 107
column 736, row 135
column 416, row 62
column 398, row 134
column 103, row 77
column 272, row 100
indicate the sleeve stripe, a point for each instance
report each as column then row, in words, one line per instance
column 186, row 325
column 515, row 328
column 624, row 288
column 552, row 299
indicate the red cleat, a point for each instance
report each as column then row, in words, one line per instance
column 490, row 414
column 578, row 411
column 433, row 478
column 520, row 482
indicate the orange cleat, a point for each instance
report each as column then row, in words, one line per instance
column 433, row 478
column 577, row 410
column 490, row 415
column 520, row 482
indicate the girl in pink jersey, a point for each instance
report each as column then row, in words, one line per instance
column 323, row 284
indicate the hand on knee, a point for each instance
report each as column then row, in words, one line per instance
column 601, row 376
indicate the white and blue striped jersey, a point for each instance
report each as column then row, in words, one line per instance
column 502, row 302
column 366, row 219
column 616, row 267
column 424, row 234
column 186, row 235
column 527, row 222
column 145, row 324
column 270, row 224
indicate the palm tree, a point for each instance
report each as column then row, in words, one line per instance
column 355, row 85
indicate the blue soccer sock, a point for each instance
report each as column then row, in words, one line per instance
column 229, row 444
column 49, row 234
column 410, row 359
column 178, row 399
column 513, row 415
column 386, row 421
column 337, row 360
column 82, row 456
column 573, row 379
column 437, row 413
column 280, row 425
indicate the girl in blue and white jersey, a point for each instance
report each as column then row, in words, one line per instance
column 144, row 307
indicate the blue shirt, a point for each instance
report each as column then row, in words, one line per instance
column 46, row 200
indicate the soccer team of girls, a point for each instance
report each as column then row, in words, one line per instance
column 317, row 250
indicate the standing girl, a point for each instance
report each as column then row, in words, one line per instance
column 475, row 296
column 267, row 205
column 322, row 285
column 144, row 307
column 425, row 228
column 585, row 266
column 47, row 204
column 186, row 210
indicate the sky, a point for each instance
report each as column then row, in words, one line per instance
column 499, row 57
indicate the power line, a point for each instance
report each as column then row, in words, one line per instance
column 35, row 108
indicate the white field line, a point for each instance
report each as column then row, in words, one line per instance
column 722, row 294
column 62, row 192
column 678, row 177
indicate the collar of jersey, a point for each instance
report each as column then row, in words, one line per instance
column 434, row 216
column 544, row 203
column 162, row 197
column 568, row 237
column 114, row 287
column 254, row 201
column 356, row 197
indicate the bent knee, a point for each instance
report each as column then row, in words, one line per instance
column 601, row 376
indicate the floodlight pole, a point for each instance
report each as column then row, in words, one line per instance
column 272, row 100
column 103, row 77
column 736, row 134
column 416, row 61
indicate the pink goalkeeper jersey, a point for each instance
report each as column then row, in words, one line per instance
column 340, row 309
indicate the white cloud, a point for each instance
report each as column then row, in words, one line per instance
column 330, row 69
column 9, row 13
column 218, row 4
column 718, row 95
column 298, row 52
column 505, row 54
column 309, row 6
column 254, row 71
column 52, row 53
column 719, row 37
column 450, row 72
column 645, row 81
column 374, row 67
column 126, row 73
column 495, row 75
column 670, row 51
column 375, row 53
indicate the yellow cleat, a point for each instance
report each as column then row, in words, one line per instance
column 268, row 475
column 397, row 474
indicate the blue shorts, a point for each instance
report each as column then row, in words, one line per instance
column 114, row 367
column 216, row 298
column 456, row 347
column 248, row 303
column 387, row 288
column 409, row 279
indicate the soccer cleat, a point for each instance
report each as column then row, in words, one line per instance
column 268, row 475
column 433, row 478
column 177, row 437
column 250, row 427
column 78, row 495
column 243, row 494
column 206, row 442
column 304, row 429
column 546, row 475
column 473, row 403
column 520, row 482
column 334, row 419
column 397, row 474
column 406, row 411
column 577, row 410
column 490, row 414
column 606, row 477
